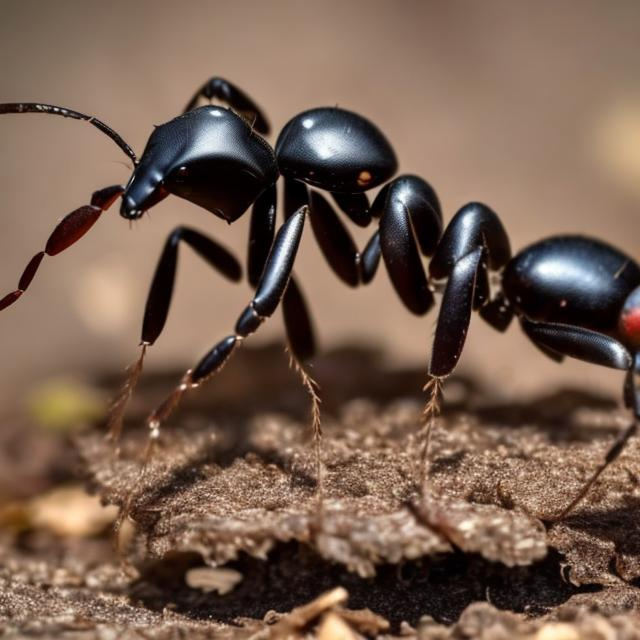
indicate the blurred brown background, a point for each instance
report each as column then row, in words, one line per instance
column 533, row 108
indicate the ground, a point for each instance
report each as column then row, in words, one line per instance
column 232, row 539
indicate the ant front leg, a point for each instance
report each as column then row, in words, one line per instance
column 270, row 291
column 297, row 318
column 474, row 242
column 68, row 231
column 226, row 92
column 558, row 341
column 159, row 301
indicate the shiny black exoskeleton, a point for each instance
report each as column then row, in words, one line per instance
column 215, row 157
column 573, row 296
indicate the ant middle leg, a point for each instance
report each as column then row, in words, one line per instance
column 228, row 93
column 355, row 206
column 474, row 243
column 409, row 228
column 350, row 265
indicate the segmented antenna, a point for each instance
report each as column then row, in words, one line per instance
column 35, row 107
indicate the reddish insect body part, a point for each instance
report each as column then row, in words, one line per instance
column 630, row 319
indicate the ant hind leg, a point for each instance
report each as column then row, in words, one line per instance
column 596, row 348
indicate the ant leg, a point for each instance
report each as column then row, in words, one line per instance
column 226, row 92
column 451, row 329
column 296, row 195
column 370, row 259
column 262, row 229
column 334, row 240
column 350, row 265
column 526, row 325
column 68, row 231
column 631, row 389
column 159, row 301
column 595, row 348
column 297, row 318
column 497, row 312
column 298, row 324
column 337, row 246
column 583, row 344
column 302, row 348
column 354, row 205
column 455, row 312
column 336, row 243
column 270, row 290
column 474, row 242
column 410, row 225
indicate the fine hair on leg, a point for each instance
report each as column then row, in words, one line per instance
column 431, row 411
column 116, row 411
column 154, row 421
column 312, row 388
column 612, row 454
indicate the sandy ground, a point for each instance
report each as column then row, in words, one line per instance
column 229, row 504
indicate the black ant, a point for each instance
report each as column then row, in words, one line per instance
column 574, row 296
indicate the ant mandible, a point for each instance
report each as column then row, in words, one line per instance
column 574, row 296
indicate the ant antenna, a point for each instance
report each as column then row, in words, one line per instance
column 35, row 107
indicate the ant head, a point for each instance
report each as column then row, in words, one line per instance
column 209, row 156
column 629, row 324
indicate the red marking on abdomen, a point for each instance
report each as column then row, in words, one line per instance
column 630, row 325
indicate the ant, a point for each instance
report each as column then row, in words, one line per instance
column 574, row 296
